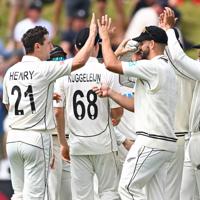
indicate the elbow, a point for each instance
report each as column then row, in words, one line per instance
column 82, row 61
column 132, row 109
column 78, row 63
column 108, row 64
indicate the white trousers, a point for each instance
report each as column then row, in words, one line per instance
column 191, row 175
column 83, row 168
column 174, row 175
column 122, row 153
column 59, row 176
column 144, row 168
column 29, row 165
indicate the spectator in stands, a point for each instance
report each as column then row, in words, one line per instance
column 8, row 58
column 15, row 6
column 57, row 13
column 145, row 17
column 76, row 7
column 4, row 174
column 33, row 19
column 67, row 38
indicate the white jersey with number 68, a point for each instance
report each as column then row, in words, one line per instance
column 88, row 116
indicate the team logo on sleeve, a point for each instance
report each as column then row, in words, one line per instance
column 132, row 63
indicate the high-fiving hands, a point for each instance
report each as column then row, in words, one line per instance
column 104, row 25
column 93, row 25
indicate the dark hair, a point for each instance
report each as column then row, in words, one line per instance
column 32, row 36
column 82, row 37
column 57, row 54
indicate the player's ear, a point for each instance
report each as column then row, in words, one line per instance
column 152, row 44
column 37, row 46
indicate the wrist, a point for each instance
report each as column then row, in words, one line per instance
column 105, row 38
column 167, row 27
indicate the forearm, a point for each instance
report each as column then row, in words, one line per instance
column 110, row 59
column 189, row 66
column 125, row 102
column 82, row 56
column 60, row 120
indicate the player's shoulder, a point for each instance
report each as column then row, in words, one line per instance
column 13, row 67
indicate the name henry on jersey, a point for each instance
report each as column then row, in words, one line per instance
column 85, row 78
column 26, row 75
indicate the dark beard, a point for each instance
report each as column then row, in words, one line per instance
column 144, row 54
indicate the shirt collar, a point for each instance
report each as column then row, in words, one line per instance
column 159, row 56
column 30, row 59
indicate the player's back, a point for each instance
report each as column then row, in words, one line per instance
column 88, row 116
column 28, row 88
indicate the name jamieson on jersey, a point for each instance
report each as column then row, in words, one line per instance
column 85, row 78
column 26, row 75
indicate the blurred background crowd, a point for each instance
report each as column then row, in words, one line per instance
column 64, row 18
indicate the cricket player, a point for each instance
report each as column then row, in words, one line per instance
column 92, row 141
column 147, row 162
column 189, row 189
column 59, row 176
column 126, row 128
column 185, row 88
column 27, row 93
column 191, row 68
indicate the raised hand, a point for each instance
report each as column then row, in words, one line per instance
column 121, row 49
column 167, row 19
column 104, row 26
column 93, row 26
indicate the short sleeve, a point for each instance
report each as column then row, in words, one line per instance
column 57, row 69
column 114, row 85
column 143, row 69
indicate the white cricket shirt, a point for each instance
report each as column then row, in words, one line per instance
column 28, row 88
column 155, row 101
column 190, row 68
column 88, row 116
column 185, row 88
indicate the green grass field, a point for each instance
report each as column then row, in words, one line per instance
column 190, row 19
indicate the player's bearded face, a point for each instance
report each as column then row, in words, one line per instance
column 144, row 49
column 145, row 53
